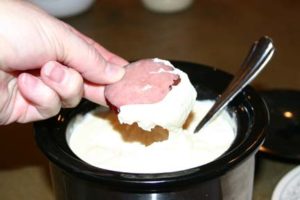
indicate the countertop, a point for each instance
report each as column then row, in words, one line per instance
column 216, row 33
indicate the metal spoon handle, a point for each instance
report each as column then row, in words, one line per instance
column 257, row 58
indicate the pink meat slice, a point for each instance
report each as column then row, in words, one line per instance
column 145, row 82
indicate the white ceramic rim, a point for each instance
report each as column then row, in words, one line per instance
column 290, row 177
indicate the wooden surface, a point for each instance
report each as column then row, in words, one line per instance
column 217, row 33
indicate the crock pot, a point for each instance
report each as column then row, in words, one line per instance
column 228, row 177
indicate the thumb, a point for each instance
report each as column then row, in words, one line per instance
column 84, row 58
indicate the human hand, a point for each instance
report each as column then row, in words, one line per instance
column 46, row 64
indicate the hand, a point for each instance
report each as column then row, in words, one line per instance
column 46, row 64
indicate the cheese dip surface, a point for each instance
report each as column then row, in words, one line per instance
column 100, row 140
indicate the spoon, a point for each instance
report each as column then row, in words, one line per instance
column 257, row 58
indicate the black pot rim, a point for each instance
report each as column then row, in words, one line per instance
column 67, row 161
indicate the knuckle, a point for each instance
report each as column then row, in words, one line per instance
column 72, row 95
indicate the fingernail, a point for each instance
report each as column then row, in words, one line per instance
column 113, row 70
column 55, row 72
